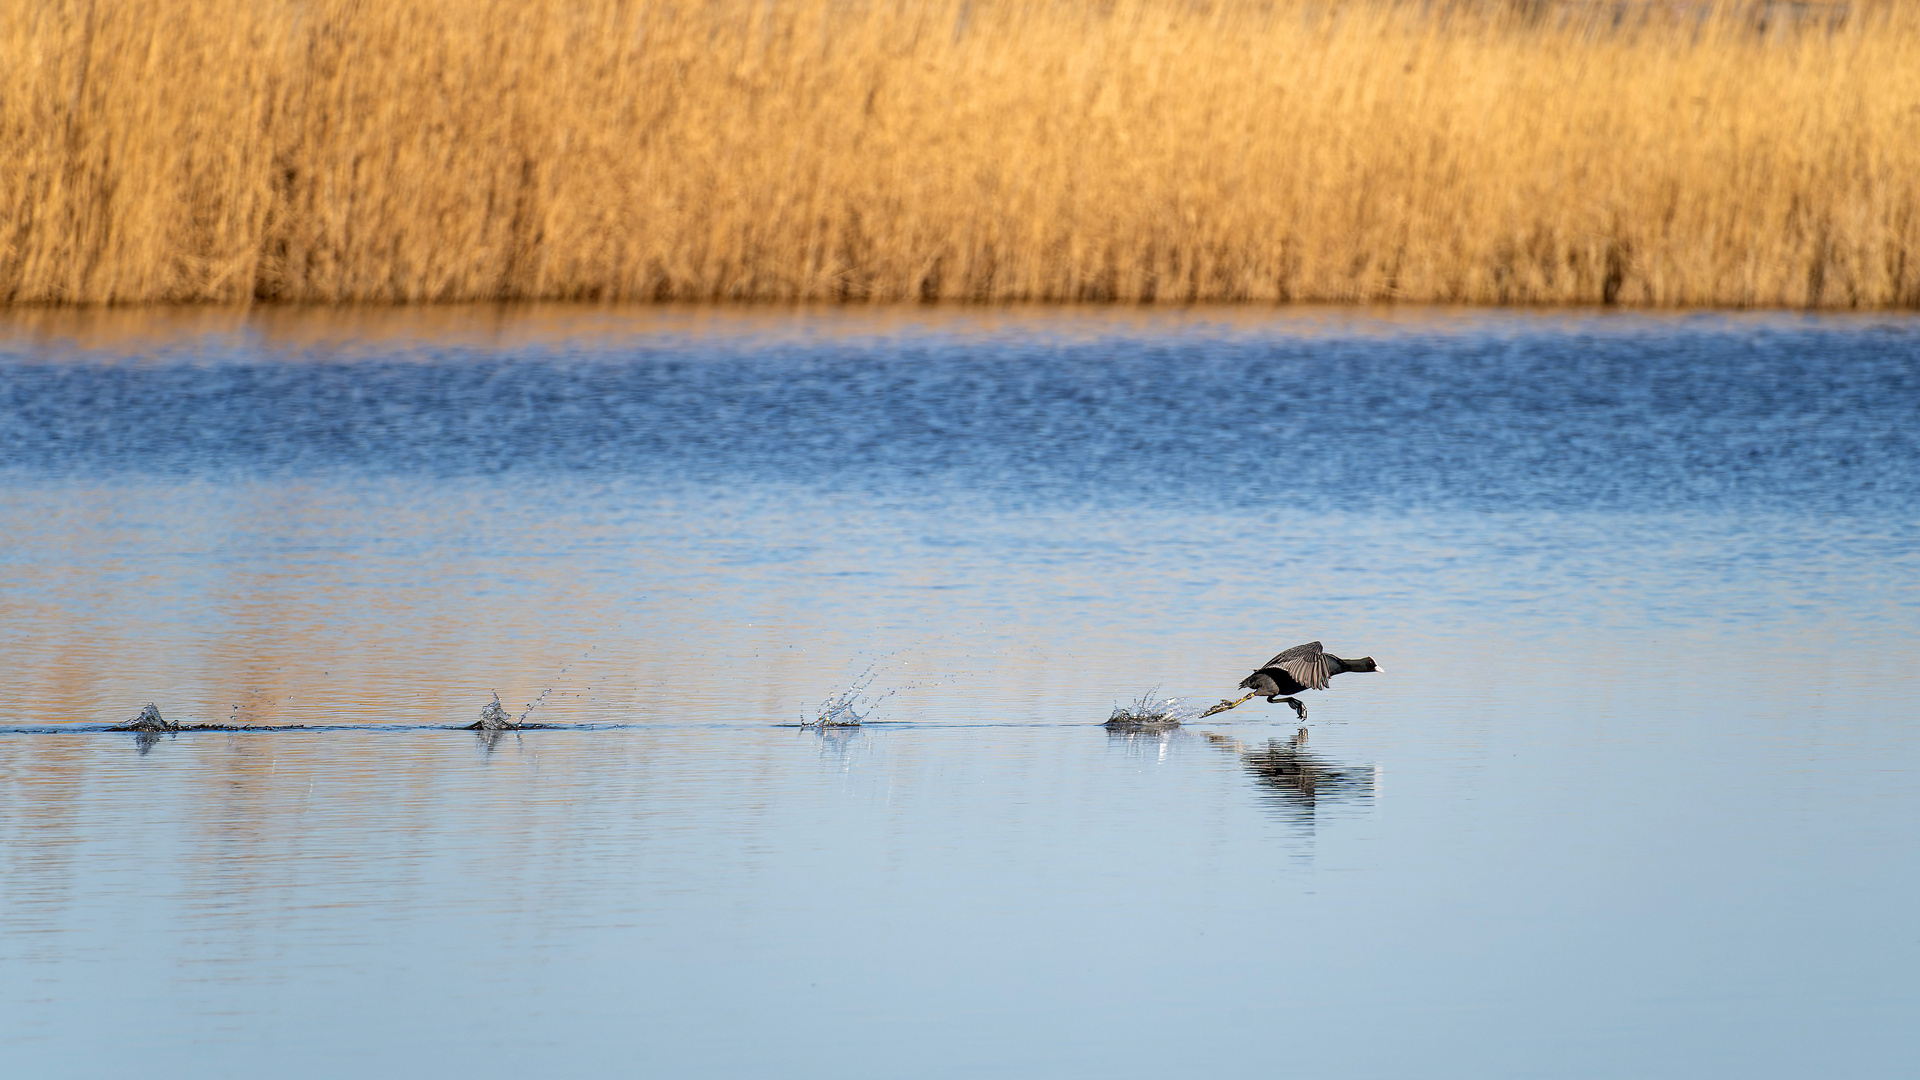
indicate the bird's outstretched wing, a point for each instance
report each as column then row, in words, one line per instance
column 1306, row 663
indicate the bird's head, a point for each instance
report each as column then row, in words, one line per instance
column 1365, row 663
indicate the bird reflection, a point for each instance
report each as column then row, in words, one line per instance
column 1299, row 783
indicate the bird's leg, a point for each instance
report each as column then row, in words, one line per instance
column 1224, row 706
column 1297, row 707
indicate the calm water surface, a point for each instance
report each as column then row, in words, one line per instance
column 1638, row 793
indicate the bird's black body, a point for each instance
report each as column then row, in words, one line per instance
column 1303, row 667
column 1272, row 682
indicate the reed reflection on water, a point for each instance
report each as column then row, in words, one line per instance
column 1646, row 590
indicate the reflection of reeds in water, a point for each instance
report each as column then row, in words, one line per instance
column 1495, row 151
column 1297, row 781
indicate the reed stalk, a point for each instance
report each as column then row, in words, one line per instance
column 1646, row 153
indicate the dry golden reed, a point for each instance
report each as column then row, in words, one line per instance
column 1650, row 152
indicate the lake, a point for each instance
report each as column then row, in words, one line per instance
column 1636, row 793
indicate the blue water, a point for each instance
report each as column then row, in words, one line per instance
column 1636, row 794
column 1806, row 415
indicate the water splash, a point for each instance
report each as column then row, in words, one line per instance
column 534, row 704
column 493, row 715
column 1150, row 710
column 843, row 710
column 148, row 719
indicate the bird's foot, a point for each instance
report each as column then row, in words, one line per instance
column 1224, row 706
column 1299, row 710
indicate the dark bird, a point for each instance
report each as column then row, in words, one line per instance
column 1303, row 667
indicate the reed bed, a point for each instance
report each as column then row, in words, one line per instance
column 1647, row 153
